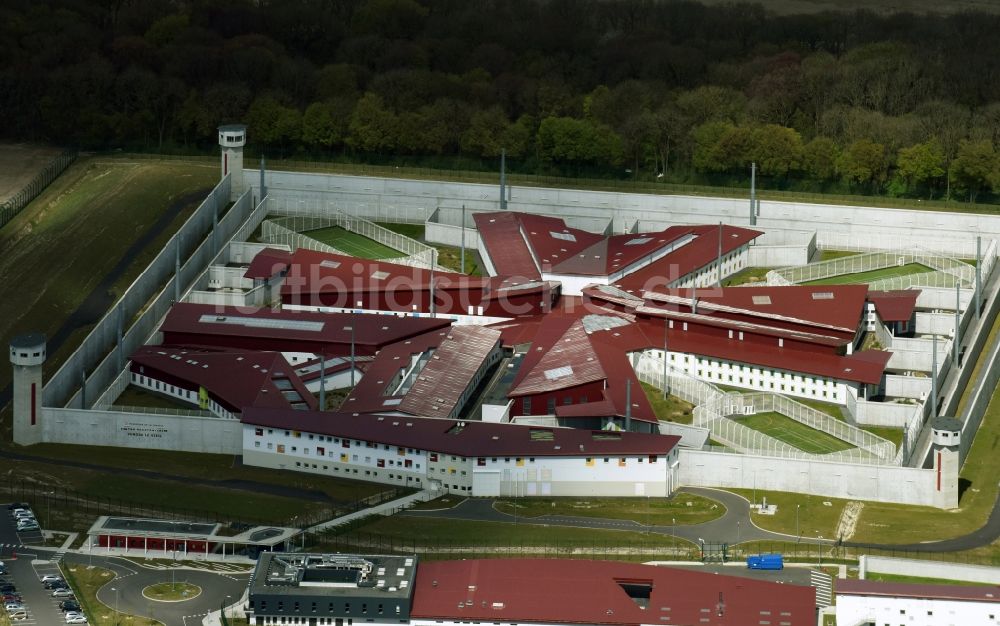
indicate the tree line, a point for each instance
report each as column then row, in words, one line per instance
column 900, row 104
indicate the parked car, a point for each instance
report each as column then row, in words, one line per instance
column 62, row 592
column 50, row 578
column 7, row 588
column 79, row 619
column 13, row 506
column 70, row 606
column 13, row 606
column 18, row 614
column 55, row 584
column 72, row 614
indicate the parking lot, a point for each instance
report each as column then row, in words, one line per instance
column 25, row 572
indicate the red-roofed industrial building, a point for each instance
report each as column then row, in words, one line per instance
column 333, row 282
column 867, row 602
column 464, row 457
column 402, row 589
column 895, row 309
column 221, row 381
column 560, row 591
column 432, row 375
column 525, row 245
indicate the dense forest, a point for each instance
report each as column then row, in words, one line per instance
column 902, row 104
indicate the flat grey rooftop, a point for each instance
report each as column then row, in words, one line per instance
column 337, row 575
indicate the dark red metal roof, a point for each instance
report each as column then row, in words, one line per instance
column 558, row 360
column 552, row 242
column 208, row 321
column 236, row 378
column 268, row 263
column 441, row 383
column 959, row 593
column 833, row 310
column 563, row 591
column 509, row 252
column 894, row 306
column 699, row 253
column 864, row 367
column 466, row 438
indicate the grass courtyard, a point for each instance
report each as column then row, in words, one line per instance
column 793, row 433
column 448, row 256
column 685, row 508
column 353, row 243
column 671, row 409
column 858, row 278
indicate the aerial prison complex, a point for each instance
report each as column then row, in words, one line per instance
column 532, row 379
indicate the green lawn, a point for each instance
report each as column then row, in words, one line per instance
column 871, row 276
column 413, row 231
column 66, row 240
column 828, row 255
column 794, row 433
column 207, row 466
column 816, row 519
column 204, row 501
column 352, row 243
column 831, row 409
column 671, row 409
column 402, row 531
column 137, row 396
column 449, row 257
column 686, row 508
column 895, row 435
column 748, row 276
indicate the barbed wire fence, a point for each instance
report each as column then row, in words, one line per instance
column 13, row 205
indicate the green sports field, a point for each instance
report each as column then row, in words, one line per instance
column 353, row 243
column 867, row 277
column 793, row 433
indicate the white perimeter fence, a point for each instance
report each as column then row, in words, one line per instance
column 289, row 227
column 946, row 270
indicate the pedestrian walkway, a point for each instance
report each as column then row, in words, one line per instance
column 386, row 508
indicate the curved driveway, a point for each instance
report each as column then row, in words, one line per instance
column 733, row 527
column 132, row 578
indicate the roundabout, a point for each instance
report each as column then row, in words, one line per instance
column 171, row 592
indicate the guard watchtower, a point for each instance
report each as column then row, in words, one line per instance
column 232, row 139
column 27, row 354
column 946, row 438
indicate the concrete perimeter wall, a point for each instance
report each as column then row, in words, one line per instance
column 880, row 483
column 885, row 413
column 189, row 244
column 183, row 433
column 927, row 569
column 395, row 199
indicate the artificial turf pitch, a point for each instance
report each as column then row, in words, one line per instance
column 352, row 243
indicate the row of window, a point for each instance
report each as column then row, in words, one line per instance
column 345, row 608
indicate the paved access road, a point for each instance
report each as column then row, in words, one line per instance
column 132, row 578
column 734, row 526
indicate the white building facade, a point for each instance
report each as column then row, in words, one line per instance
column 592, row 473
column 903, row 610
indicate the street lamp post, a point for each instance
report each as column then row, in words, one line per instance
column 673, row 535
column 798, row 535
column 48, row 509
column 229, row 612
column 117, row 620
